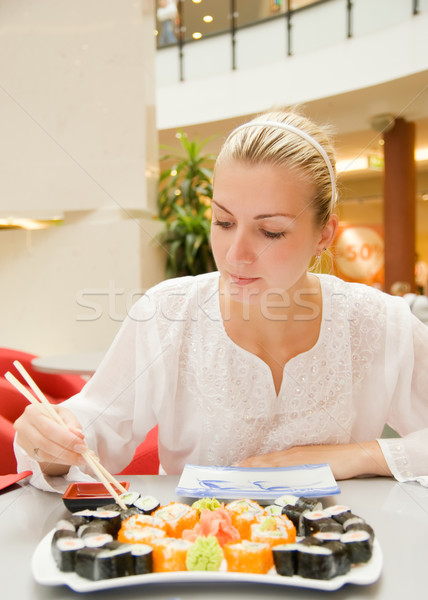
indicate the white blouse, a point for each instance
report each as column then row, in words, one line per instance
column 173, row 364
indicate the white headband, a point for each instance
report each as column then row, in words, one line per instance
column 306, row 137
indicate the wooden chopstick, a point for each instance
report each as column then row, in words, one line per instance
column 91, row 459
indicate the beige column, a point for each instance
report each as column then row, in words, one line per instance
column 399, row 203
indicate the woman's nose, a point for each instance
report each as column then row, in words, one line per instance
column 241, row 251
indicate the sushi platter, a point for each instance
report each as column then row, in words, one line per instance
column 292, row 542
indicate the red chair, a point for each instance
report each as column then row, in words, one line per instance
column 146, row 457
column 57, row 387
column 7, row 456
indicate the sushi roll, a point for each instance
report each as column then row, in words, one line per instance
column 85, row 563
column 97, row 541
column 285, row 559
column 147, row 504
column 129, row 498
column 273, row 510
column 273, row 531
column 244, row 513
column 327, row 536
column 142, row 558
column 111, row 560
column 315, row 562
column 92, row 528
column 285, row 500
column 361, row 527
column 341, row 558
column 295, row 514
column 248, row 557
column 177, row 517
column 141, row 520
column 60, row 533
column 73, row 522
column 141, row 535
column 170, row 554
column 311, row 504
column 64, row 552
column 317, row 521
column 359, row 546
column 110, row 519
column 114, row 560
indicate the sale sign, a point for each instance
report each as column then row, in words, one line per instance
column 359, row 253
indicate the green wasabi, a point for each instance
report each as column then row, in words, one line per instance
column 204, row 555
column 208, row 503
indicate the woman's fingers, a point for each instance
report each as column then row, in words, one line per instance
column 47, row 441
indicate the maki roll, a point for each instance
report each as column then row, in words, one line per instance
column 142, row 558
column 60, row 533
column 73, row 522
column 141, row 520
column 286, row 500
column 341, row 558
column 327, row 536
column 248, row 557
column 317, row 521
column 147, row 504
column 110, row 519
column 64, row 551
column 361, row 527
column 92, row 528
column 311, row 504
column 315, row 562
column 285, row 559
column 114, row 560
column 97, row 541
column 295, row 514
column 129, row 498
column 111, row 560
column 359, row 546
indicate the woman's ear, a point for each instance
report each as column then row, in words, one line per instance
column 328, row 232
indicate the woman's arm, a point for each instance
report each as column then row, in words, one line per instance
column 345, row 460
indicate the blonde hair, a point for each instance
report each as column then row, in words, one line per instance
column 304, row 147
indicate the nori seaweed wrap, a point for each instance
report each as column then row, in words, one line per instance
column 285, row 559
column 359, row 546
column 64, row 552
column 315, row 562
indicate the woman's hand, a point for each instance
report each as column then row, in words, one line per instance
column 54, row 446
column 345, row 460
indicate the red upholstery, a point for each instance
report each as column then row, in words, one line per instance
column 7, row 456
column 146, row 457
column 58, row 387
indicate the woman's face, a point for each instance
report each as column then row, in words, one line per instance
column 263, row 230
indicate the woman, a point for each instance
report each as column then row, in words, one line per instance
column 263, row 363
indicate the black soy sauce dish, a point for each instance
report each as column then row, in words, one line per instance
column 88, row 495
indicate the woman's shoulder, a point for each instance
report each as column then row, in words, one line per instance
column 175, row 295
column 359, row 296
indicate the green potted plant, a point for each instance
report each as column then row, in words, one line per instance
column 184, row 204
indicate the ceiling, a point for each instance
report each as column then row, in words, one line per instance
column 349, row 116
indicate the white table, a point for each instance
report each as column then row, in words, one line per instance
column 397, row 512
column 83, row 363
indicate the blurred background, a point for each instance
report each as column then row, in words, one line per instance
column 91, row 92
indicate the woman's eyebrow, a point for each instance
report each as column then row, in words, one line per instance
column 258, row 217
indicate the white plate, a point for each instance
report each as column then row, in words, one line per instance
column 231, row 483
column 46, row 572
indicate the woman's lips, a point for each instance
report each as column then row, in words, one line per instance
column 238, row 280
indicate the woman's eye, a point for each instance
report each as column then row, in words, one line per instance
column 273, row 235
column 223, row 224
